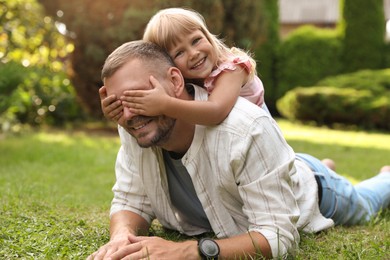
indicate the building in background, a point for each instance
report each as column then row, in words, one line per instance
column 320, row 13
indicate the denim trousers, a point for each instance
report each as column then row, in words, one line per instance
column 345, row 203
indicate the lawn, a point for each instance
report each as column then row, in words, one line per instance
column 55, row 192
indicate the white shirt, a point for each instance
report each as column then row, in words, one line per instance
column 244, row 173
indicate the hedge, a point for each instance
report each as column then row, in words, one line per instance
column 306, row 56
column 361, row 98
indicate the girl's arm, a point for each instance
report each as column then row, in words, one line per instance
column 213, row 111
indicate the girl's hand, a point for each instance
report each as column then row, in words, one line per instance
column 147, row 102
column 112, row 107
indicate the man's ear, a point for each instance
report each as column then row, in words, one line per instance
column 177, row 80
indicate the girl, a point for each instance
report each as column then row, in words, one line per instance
column 203, row 59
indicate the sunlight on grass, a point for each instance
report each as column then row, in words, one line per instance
column 358, row 154
column 335, row 137
column 68, row 139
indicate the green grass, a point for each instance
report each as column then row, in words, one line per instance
column 55, row 192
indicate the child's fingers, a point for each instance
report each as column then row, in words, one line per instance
column 135, row 93
column 138, row 111
column 114, row 112
column 154, row 81
column 111, row 102
column 131, row 104
column 131, row 100
column 117, row 116
column 103, row 92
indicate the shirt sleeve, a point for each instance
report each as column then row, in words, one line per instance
column 265, row 186
column 227, row 66
column 129, row 192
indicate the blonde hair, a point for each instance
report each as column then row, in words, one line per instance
column 165, row 27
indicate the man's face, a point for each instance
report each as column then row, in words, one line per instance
column 148, row 131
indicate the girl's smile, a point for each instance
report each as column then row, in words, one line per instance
column 194, row 55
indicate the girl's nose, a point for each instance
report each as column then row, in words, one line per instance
column 193, row 53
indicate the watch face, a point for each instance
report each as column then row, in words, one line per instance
column 209, row 248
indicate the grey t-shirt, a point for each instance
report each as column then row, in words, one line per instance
column 182, row 192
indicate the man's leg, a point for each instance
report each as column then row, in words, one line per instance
column 347, row 204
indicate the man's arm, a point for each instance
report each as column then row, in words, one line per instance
column 122, row 224
column 249, row 244
column 127, row 222
column 246, row 245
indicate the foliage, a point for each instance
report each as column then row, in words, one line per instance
column 34, row 88
column 11, row 75
column 386, row 56
column 364, row 33
column 28, row 37
column 266, row 52
column 377, row 81
column 360, row 98
column 306, row 56
column 42, row 98
column 55, row 192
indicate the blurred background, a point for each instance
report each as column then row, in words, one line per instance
column 320, row 61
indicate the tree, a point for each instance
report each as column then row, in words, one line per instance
column 363, row 26
column 266, row 52
column 33, row 61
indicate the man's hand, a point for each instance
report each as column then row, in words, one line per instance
column 111, row 248
column 142, row 247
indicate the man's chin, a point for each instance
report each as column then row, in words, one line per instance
column 143, row 142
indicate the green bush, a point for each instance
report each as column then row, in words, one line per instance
column 42, row 98
column 11, row 75
column 386, row 55
column 364, row 32
column 306, row 56
column 361, row 98
column 265, row 54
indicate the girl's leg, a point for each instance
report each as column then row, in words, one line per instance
column 347, row 204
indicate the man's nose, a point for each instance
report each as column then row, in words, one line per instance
column 127, row 114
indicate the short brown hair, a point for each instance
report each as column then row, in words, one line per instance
column 148, row 52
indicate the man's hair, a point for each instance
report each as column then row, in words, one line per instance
column 151, row 54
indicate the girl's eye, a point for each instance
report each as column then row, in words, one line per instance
column 178, row 54
column 196, row 40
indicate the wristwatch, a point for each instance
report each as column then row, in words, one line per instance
column 208, row 249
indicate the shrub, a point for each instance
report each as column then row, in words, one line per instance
column 361, row 98
column 11, row 75
column 265, row 54
column 42, row 98
column 387, row 56
column 377, row 81
column 364, row 33
column 306, row 56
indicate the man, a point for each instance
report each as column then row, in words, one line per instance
column 239, row 179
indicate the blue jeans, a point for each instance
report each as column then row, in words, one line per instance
column 345, row 203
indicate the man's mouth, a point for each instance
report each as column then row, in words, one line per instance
column 140, row 126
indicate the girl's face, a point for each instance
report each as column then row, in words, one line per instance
column 194, row 55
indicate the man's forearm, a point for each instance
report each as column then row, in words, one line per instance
column 125, row 222
column 244, row 245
